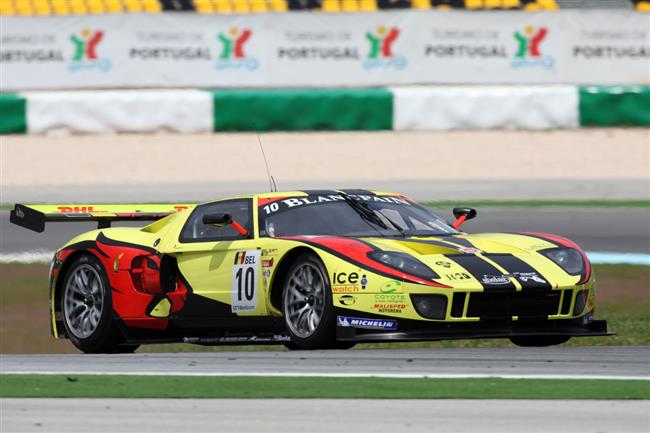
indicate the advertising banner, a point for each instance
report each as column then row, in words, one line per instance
column 309, row 49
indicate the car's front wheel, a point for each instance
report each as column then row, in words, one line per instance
column 307, row 305
column 539, row 340
column 87, row 309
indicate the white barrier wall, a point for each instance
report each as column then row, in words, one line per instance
column 484, row 107
column 311, row 49
column 428, row 108
column 185, row 111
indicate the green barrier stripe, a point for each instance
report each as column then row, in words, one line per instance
column 614, row 105
column 303, row 109
column 13, row 114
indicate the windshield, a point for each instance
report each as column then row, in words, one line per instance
column 330, row 215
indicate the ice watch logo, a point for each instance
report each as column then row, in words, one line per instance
column 232, row 54
column 528, row 52
column 85, row 51
column 380, row 53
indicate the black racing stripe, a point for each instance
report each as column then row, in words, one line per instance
column 86, row 245
column 101, row 238
column 357, row 192
column 320, row 192
column 484, row 272
column 460, row 241
column 528, row 277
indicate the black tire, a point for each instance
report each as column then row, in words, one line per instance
column 323, row 335
column 103, row 336
column 539, row 340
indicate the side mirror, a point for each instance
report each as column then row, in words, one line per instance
column 224, row 219
column 217, row 219
column 463, row 214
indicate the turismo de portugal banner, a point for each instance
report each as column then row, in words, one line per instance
column 404, row 47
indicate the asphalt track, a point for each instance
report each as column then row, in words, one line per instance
column 598, row 361
column 312, row 416
column 595, row 229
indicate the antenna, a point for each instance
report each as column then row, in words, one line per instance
column 271, row 180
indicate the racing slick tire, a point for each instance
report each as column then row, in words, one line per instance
column 307, row 305
column 88, row 309
column 539, row 340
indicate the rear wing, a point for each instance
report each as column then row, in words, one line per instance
column 34, row 216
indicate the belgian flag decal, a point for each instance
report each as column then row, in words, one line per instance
column 240, row 258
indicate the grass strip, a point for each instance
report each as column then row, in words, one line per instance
column 316, row 387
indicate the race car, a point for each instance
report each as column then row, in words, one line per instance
column 307, row 269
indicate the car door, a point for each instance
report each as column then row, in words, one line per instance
column 221, row 265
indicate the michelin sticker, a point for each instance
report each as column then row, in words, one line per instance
column 245, row 281
column 356, row 322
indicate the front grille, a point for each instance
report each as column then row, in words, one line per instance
column 581, row 301
column 566, row 302
column 458, row 304
column 505, row 305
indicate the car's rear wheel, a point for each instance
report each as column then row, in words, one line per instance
column 539, row 340
column 88, row 311
column 307, row 305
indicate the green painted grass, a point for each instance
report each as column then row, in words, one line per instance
column 316, row 387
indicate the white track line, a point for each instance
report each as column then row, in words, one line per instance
column 605, row 258
column 339, row 375
column 27, row 257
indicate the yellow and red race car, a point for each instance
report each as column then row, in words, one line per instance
column 308, row 269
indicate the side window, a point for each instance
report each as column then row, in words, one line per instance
column 196, row 231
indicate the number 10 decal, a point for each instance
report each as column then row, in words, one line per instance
column 245, row 272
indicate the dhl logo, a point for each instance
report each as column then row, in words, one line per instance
column 75, row 209
column 91, row 209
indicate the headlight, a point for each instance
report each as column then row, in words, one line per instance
column 405, row 263
column 567, row 258
column 430, row 306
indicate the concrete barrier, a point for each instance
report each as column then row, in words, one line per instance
column 485, row 107
column 368, row 109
